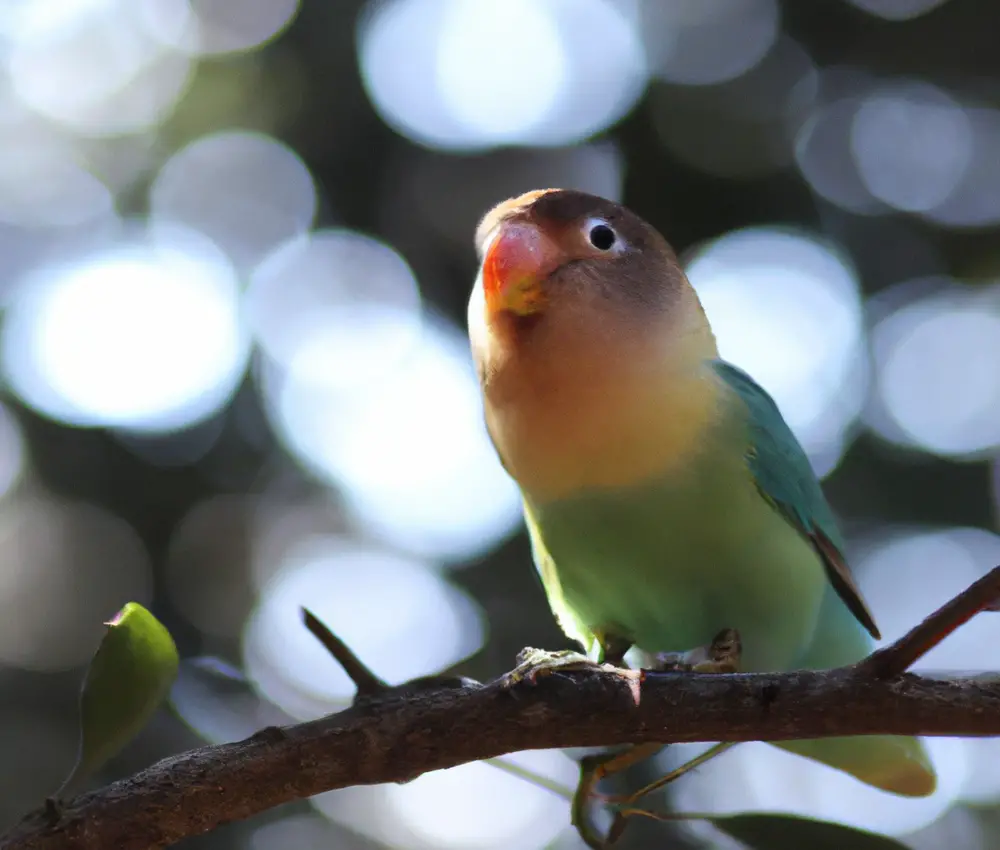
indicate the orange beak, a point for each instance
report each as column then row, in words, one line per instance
column 517, row 262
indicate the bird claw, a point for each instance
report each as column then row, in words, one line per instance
column 532, row 663
column 722, row 655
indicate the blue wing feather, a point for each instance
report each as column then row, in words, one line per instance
column 786, row 479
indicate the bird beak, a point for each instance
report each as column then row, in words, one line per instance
column 518, row 259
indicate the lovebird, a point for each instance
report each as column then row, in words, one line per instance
column 664, row 495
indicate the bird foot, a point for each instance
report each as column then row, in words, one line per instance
column 532, row 663
column 722, row 655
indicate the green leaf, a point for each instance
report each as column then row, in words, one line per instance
column 765, row 832
column 129, row 676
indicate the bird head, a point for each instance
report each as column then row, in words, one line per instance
column 588, row 341
column 555, row 248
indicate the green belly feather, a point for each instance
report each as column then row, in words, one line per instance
column 670, row 563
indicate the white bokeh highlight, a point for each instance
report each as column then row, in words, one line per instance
column 912, row 144
column 411, row 452
column 144, row 335
column 606, row 70
column 247, row 191
column 35, row 20
column 471, row 807
column 42, row 183
column 785, row 307
column 937, row 372
column 823, row 152
column 399, row 614
column 90, row 67
column 874, row 145
column 213, row 27
column 335, row 309
column 216, row 701
column 906, row 573
column 975, row 200
column 474, row 74
column 491, row 97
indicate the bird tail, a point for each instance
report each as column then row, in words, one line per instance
column 893, row 763
column 896, row 764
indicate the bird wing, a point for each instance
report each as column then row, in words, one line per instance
column 785, row 478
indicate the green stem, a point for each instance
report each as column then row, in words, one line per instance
column 530, row 776
column 667, row 816
column 676, row 773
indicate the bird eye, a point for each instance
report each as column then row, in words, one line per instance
column 602, row 237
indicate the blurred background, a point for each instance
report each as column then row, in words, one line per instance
column 235, row 252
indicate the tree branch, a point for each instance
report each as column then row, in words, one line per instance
column 397, row 733
column 365, row 681
column 898, row 657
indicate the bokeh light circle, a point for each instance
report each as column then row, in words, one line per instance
column 473, row 74
column 247, row 191
column 411, row 453
column 90, row 67
column 937, row 371
column 336, row 308
column 425, row 624
column 145, row 335
column 213, row 27
column 470, row 807
column 912, row 143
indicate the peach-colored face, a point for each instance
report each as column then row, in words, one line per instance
column 587, row 341
column 522, row 251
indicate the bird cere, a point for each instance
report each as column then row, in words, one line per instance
column 666, row 499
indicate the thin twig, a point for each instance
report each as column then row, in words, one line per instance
column 900, row 655
column 367, row 683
